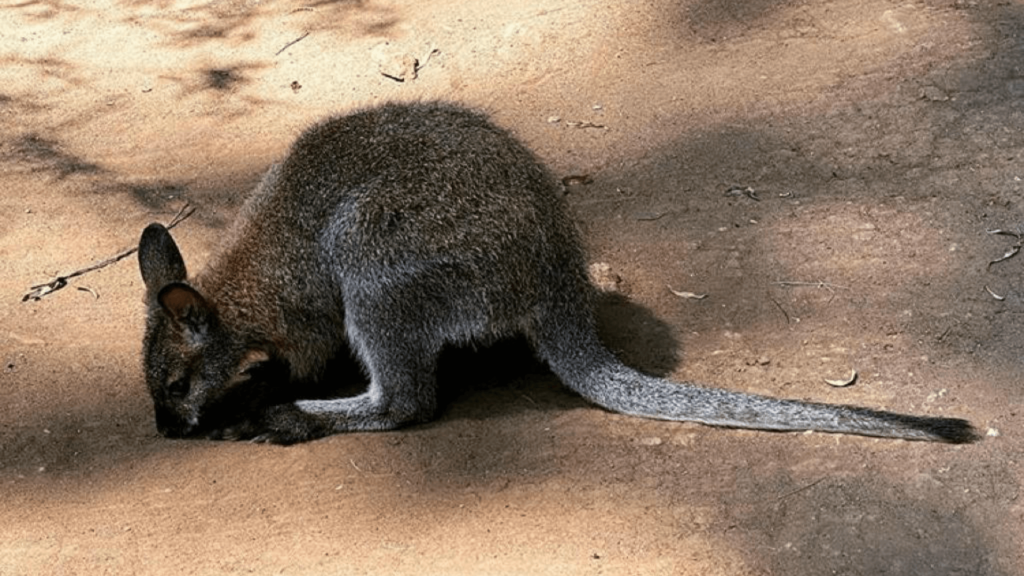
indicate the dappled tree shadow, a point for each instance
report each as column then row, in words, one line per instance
column 156, row 196
column 42, row 9
column 223, row 78
column 47, row 68
column 45, row 155
column 714, row 20
column 228, row 22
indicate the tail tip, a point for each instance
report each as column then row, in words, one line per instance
column 953, row 431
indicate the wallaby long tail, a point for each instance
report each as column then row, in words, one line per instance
column 625, row 390
column 587, row 367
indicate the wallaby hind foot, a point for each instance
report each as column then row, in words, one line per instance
column 394, row 232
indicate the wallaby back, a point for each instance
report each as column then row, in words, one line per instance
column 396, row 231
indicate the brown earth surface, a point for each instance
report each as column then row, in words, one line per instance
column 881, row 141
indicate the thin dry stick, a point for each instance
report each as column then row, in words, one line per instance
column 39, row 290
column 290, row 44
column 781, row 309
column 1012, row 251
column 800, row 489
column 818, row 284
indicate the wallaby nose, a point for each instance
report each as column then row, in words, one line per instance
column 170, row 425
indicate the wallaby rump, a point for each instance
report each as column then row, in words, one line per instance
column 394, row 232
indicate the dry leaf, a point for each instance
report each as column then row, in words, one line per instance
column 843, row 383
column 689, row 295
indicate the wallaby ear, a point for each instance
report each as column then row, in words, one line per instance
column 160, row 260
column 186, row 306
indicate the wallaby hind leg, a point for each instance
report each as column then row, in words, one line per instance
column 402, row 391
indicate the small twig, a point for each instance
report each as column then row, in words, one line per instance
column 290, row 44
column 585, row 124
column 1002, row 232
column 742, row 191
column 39, row 290
column 781, row 309
column 430, row 53
column 994, row 295
column 1012, row 250
column 800, row 489
column 185, row 211
column 1010, row 253
column 818, row 284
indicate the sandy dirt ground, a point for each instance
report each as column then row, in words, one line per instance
column 826, row 171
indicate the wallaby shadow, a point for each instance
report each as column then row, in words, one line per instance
column 507, row 378
column 474, row 382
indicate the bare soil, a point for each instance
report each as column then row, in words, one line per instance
column 880, row 141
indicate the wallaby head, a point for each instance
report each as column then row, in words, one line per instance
column 190, row 358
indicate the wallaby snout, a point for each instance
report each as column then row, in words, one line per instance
column 172, row 425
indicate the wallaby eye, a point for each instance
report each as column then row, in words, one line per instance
column 179, row 388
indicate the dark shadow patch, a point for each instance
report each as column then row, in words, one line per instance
column 220, row 80
column 223, row 78
column 380, row 27
column 215, row 203
column 506, row 377
column 716, row 20
column 156, row 196
column 45, row 155
column 207, row 32
column 638, row 337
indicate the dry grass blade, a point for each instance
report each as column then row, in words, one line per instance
column 1012, row 250
column 994, row 295
column 689, row 295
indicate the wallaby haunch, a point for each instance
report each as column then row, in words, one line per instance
column 394, row 232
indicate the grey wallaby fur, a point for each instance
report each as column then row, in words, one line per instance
column 394, row 232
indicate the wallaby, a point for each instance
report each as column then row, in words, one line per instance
column 394, row 232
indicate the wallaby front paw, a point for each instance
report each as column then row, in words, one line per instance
column 286, row 424
column 244, row 430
